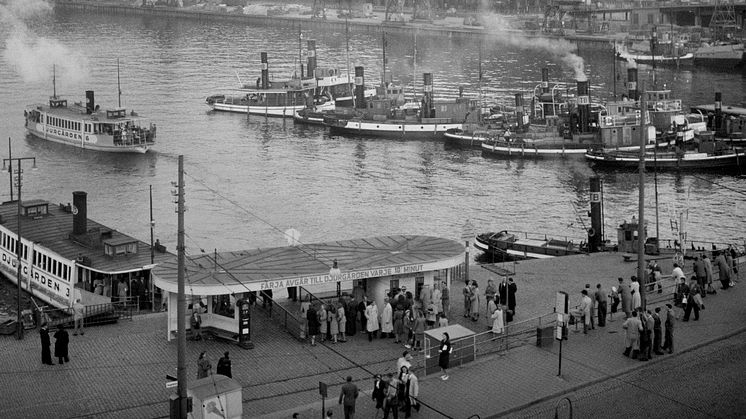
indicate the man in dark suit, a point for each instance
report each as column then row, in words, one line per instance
column 349, row 396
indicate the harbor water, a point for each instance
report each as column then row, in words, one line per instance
column 250, row 179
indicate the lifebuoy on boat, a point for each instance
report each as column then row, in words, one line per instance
column 331, row 72
column 591, row 232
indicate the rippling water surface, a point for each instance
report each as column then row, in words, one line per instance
column 250, row 179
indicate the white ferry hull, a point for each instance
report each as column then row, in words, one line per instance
column 388, row 129
column 84, row 141
column 274, row 111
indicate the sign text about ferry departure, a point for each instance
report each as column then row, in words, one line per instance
column 344, row 276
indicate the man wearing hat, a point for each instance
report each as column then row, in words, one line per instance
column 670, row 321
column 593, row 304
column 224, row 365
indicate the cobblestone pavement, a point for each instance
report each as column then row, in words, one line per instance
column 119, row 370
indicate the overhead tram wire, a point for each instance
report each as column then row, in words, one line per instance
column 327, row 261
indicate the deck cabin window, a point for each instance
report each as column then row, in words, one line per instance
column 120, row 246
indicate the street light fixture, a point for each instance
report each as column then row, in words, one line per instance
column 335, row 273
column 19, row 247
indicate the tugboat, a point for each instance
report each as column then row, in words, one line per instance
column 87, row 127
column 387, row 117
column 518, row 246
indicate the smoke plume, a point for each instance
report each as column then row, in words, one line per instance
column 560, row 49
column 33, row 56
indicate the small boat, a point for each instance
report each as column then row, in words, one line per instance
column 723, row 55
column 504, row 245
column 709, row 155
column 86, row 126
column 660, row 60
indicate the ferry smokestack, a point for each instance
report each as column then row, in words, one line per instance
column 632, row 84
column 90, row 103
column 360, row 87
column 718, row 111
column 544, row 80
column 584, row 106
column 311, row 57
column 80, row 213
column 265, row 71
column 519, row 111
column 595, row 233
column 428, row 109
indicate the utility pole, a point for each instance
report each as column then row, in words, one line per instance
column 641, row 203
column 179, row 400
column 19, row 244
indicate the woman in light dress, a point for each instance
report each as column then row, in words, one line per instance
column 342, row 320
column 491, row 307
column 498, row 322
column 371, row 317
column 333, row 323
column 436, row 297
column 635, row 289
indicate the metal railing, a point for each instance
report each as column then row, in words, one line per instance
column 282, row 316
column 93, row 315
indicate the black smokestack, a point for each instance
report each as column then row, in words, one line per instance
column 90, row 103
column 632, row 84
column 80, row 213
column 595, row 233
column 519, row 110
column 427, row 82
column 544, row 80
column 584, row 106
column 265, row 71
column 311, row 57
column 718, row 110
column 360, row 87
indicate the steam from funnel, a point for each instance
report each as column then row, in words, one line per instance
column 561, row 49
column 31, row 56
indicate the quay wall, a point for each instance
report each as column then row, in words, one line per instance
column 583, row 42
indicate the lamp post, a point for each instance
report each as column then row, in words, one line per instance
column 19, row 247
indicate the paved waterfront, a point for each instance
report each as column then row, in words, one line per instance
column 119, row 370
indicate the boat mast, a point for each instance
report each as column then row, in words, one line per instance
column 641, row 203
column 414, row 68
column 119, row 86
column 54, row 81
column 653, row 43
column 347, row 40
column 300, row 51
column 383, row 47
column 479, row 114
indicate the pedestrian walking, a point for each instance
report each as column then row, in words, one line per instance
column 371, row 320
column 593, row 305
column 314, row 327
column 342, row 322
column 405, row 360
column 46, row 354
column 693, row 300
column 348, row 397
column 633, row 326
column 391, row 402
column 303, row 317
column 224, row 365
column 512, row 289
column 657, row 332
column 399, row 331
column 196, row 324
column 445, row 298
column 585, row 310
column 333, row 323
column 708, row 272
column 626, row 296
column 498, row 320
column 387, row 319
column 323, row 325
column 474, row 301
column 724, row 273
column 445, row 350
column 670, row 324
column 615, row 300
column 61, row 340
column 419, row 331
column 78, row 317
column 204, row 367
column 700, row 271
column 379, row 390
column 601, row 303
column 467, row 298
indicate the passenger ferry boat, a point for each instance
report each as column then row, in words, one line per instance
column 504, row 245
column 86, row 127
column 112, row 130
column 65, row 256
